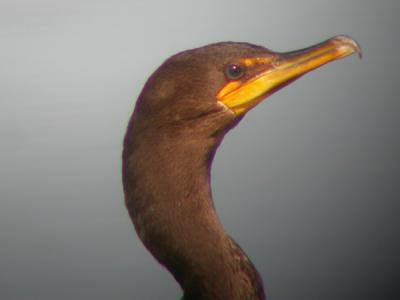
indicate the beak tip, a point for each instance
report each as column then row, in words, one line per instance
column 349, row 42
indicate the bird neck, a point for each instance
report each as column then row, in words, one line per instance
column 166, row 177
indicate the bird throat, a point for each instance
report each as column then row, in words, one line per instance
column 166, row 176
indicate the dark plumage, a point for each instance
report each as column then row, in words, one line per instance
column 180, row 118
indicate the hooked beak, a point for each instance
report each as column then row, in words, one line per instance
column 281, row 69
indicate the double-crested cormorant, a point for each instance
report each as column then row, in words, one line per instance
column 181, row 116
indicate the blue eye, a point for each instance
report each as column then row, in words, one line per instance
column 234, row 71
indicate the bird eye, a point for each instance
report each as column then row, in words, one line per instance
column 234, row 71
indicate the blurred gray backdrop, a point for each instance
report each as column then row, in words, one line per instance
column 308, row 183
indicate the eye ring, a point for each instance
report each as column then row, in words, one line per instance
column 234, row 71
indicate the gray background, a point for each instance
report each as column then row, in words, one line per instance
column 308, row 183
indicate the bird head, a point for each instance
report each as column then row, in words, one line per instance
column 228, row 79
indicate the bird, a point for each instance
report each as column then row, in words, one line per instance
column 180, row 118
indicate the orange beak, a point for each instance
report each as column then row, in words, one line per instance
column 281, row 69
